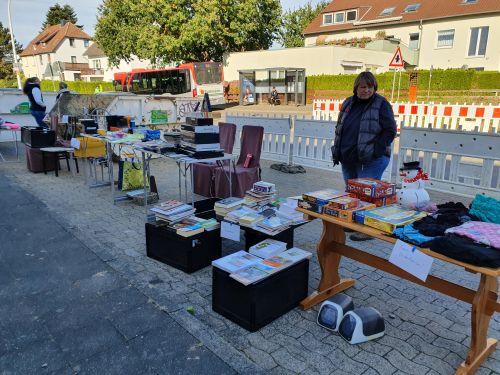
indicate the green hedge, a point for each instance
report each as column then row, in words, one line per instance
column 449, row 79
column 79, row 87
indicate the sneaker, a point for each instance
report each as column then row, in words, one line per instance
column 360, row 237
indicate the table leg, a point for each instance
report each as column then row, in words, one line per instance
column 43, row 163
column 480, row 346
column 145, row 189
column 329, row 261
column 109, row 157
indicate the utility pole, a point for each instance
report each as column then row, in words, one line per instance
column 15, row 63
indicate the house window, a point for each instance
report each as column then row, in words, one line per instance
column 41, row 58
column 97, row 64
column 478, row 41
column 339, row 17
column 387, row 11
column 71, row 42
column 85, row 43
column 414, row 39
column 73, row 59
column 351, row 15
column 445, row 38
column 327, row 19
column 411, row 8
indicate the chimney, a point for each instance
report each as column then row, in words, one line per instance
column 62, row 23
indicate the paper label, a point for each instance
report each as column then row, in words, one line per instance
column 230, row 231
column 408, row 258
column 75, row 143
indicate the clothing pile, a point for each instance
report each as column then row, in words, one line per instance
column 471, row 236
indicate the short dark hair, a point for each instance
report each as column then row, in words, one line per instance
column 28, row 81
column 365, row 77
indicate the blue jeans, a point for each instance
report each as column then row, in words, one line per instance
column 39, row 115
column 373, row 168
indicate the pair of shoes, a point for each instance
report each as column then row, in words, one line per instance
column 347, row 230
column 360, row 237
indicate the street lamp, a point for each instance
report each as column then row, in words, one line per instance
column 15, row 64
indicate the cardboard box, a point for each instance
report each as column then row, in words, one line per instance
column 388, row 218
column 344, row 203
column 370, row 187
column 255, row 305
column 347, row 215
column 322, row 197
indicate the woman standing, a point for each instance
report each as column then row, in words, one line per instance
column 37, row 106
column 364, row 133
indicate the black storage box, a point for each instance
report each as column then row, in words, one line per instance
column 253, row 237
column 255, row 305
column 89, row 126
column 37, row 137
column 188, row 254
column 116, row 122
column 199, row 121
column 34, row 161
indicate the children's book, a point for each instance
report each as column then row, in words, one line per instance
column 236, row 261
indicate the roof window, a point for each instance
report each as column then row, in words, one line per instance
column 469, row 1
column 411, row 8
column 387, row 11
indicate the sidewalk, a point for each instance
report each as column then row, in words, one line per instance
column 104, row 245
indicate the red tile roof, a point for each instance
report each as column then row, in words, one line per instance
column 50, row 38
column 428, row 9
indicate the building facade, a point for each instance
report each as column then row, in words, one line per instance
column 443, row 34
column 57, row 53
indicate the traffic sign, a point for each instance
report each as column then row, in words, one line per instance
column 397, row 59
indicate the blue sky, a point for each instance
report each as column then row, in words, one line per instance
column 28, row 15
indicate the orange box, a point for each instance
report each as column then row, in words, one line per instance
column 347, row 215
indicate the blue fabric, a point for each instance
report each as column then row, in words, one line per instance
column 411, row 235
column 39, row 116
column 373, row 168
column 486, row 209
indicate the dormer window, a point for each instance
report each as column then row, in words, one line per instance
column 351, row 15
column 387, row 11
column 339, row 17
column 469, row 1
column 328, row 19
column 411, row 8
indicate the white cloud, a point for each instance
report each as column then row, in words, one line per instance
column 28, row 15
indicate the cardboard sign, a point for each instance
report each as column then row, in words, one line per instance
column 408, row 258
column 231, row 231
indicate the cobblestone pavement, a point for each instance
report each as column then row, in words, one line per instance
column 426, row 332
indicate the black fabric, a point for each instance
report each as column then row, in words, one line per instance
column 448, row 215
column 350, row 131
column 34, row 106
column 466, row 250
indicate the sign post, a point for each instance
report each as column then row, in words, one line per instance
column 396, row 62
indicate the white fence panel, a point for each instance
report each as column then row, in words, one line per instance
column 464, row 163
column 276, row 141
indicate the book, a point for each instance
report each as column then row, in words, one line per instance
column 251, row 274
column 344, row 203
column 264, row 187
column 207, row 224
column 347, row 215
column 169, row 204
column 277, row 262
column 296, row 254
column 200, row 128
column 240, row 212
column 274, row 223
column 188, row 228
column 250, row 218
column 267, row 248
column 229, row 202
column 236, row 261
column 192, row 137
column 322, row 197
column 172, row 211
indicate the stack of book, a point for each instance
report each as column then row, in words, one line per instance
column 262, row 193
column 267, row 267
column 224, row 206
column 273, row 225
column 200, row 139
column 267, row 248
column 172, row 211
column 287, row 210
column 173, row 138
column 235, row 215
column 316, row 200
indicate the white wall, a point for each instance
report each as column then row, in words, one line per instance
column 316, row 60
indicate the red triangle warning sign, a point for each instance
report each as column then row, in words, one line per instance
column 397, row 59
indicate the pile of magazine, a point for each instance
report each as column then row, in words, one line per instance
column 247, row 268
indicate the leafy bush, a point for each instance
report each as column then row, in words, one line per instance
column 79, row 87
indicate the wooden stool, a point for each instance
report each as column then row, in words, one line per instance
column 59, row 153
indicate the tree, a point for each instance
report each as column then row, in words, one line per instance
column 184, row 30
column 6, row 57
column 295, row 21
column 58, row 13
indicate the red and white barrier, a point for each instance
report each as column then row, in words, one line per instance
column 470, row 117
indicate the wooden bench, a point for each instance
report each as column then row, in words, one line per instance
column 484, row 303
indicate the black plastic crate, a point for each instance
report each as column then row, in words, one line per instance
column 188, row 254
column 253, row 237
column 255, row 305
column 37, row 137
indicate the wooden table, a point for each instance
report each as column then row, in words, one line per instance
column 484, row 303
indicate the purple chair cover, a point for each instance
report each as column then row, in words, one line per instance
column 204, row 172
column 242, row 178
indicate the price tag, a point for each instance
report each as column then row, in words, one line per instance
column 230, row 231
column 75, row 143
column 408, row 258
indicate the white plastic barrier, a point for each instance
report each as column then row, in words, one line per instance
column 469, row 117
